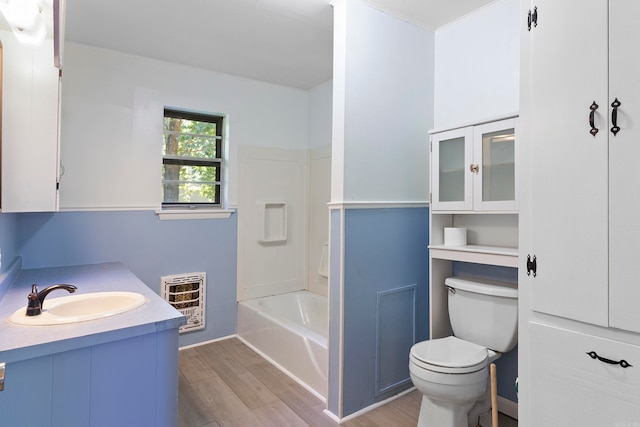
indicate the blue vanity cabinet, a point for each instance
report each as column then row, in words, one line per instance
column 128, row 382
column 50, row 390
column 26, row 398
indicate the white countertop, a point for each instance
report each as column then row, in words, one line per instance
column 26, row 342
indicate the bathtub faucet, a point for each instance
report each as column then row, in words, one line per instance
column 36, row 299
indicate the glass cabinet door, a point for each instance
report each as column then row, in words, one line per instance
column 451, row 153
column 494, row 151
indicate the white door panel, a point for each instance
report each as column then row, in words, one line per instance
column 569, row 177
column 624, row 165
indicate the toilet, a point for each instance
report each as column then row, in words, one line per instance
column 452, row 373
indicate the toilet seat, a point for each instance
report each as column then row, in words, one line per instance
column 449, row 355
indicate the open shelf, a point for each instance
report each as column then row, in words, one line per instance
column 491, row 255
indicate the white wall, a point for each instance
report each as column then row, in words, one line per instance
column 278, row 263
column 477, row 65
column 320, row 99
column 382, row 106
column 319, row 165
column 319, row 171
column 112, row 106
column 302, row 179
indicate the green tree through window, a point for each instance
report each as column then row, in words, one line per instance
column 192, row 159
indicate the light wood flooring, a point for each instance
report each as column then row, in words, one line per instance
column 226, row 384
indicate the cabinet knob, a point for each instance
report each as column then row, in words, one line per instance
column 473, row 167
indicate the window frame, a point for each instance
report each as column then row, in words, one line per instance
column 217, row 162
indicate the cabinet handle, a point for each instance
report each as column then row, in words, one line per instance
column 532, row 18
column 614, row 117
column 473, row 167
column 623, row 363
column 592, row 114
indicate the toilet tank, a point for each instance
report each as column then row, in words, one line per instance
column 484, row 312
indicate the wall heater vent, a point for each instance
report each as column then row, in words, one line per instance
column 186, row 293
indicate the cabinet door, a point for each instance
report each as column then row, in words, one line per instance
column 494, row 186
column 570, row 388
column 29, row 127
column 27, row 396
column 451, row 179
column 624, row 166
column 568, row 172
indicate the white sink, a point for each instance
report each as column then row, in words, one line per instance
column 80, row 308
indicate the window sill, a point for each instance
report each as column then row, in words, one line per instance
column 169, row 214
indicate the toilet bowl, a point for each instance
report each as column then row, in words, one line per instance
column 452, row 373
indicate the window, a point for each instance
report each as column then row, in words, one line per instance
column 192, row 160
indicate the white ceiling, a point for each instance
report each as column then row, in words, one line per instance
column 286, row 42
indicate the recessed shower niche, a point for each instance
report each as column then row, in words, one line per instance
column 272, row 222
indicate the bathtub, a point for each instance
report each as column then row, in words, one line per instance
column 290, row 330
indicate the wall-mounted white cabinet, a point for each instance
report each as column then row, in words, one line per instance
column 59, row 15
column 579, row 220
column 473, row 186
column 30, row 99
column 474, row 168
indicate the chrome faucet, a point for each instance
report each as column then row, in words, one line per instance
column 36, row 299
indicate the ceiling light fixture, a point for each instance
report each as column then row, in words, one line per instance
column 25, row 19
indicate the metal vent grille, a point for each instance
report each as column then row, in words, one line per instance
column 187, row 294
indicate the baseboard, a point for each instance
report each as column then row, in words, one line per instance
column 371, row 407
column 508, row 407
column 331, row 415
column 198, row 344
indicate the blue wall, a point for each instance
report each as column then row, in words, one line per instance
column 385, row 300
column 8, row 238
column 8, row 246
column 147, row 246
column 335, row 296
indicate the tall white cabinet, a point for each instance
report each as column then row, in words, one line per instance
column 580, row 105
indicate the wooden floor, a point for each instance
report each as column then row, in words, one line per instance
column 226, row 384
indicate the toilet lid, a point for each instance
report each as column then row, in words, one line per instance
column 450, row 352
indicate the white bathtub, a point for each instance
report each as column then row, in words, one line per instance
column 290, row 330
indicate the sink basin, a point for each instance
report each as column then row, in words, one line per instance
column 80, row 308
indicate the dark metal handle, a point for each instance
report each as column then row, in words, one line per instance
column 623, row 363
column 532, row 18
column 532, row 265
column 614, row 117
column 592, row 114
